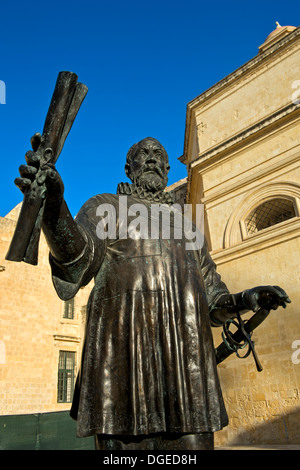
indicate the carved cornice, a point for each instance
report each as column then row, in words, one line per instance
column 277, row 48
column 246, row 133
column 226, row 149
column 245, row 68
column 243, row 185
column 73, row 339
column 260, row 241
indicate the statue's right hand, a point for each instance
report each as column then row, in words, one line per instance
column 28, row 172
column 41, row 172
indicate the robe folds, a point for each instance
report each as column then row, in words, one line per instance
column 148, row 362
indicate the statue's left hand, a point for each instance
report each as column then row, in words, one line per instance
column 268, row 297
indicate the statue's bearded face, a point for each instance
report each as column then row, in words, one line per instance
column 149, row 165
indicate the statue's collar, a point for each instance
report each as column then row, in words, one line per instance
column 162, row 197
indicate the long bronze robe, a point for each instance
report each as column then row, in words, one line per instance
column 148, row 363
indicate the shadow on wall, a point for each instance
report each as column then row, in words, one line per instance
column 284, row 430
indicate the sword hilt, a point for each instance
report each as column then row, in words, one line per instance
column 248, row 340
column 234, row 342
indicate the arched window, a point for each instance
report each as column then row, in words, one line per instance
column 269, row 213
column 264, row 212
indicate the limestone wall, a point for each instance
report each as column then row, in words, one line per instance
column 242, row 147
column 33, row 331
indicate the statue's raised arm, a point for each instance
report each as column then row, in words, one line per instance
column 62, row 234
column 36, row 177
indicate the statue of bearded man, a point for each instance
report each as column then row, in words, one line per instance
column 148, row 377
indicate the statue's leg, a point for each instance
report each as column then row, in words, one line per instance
column 116, row 442
column 200, row 441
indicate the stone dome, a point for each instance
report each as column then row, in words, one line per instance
column 278, row 33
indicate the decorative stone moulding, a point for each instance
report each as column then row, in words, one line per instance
column 236, row 231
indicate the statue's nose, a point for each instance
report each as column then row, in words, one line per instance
column 151, row 159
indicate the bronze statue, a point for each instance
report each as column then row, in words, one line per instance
column 148, row 378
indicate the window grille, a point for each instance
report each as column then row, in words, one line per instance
column 69, row 309
column 269, row 213
column 66, row 372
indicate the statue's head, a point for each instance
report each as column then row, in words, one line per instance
column 147, row 165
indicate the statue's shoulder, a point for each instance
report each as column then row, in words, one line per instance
column 104, row 198
column 91, row 205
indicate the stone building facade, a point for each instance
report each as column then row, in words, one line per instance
column 242, row 149
column 242, row 152
column 41, row 336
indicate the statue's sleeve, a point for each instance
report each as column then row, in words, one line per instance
column 68, row 278
column 214, row 286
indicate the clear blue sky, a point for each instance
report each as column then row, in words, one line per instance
column 142, row 61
